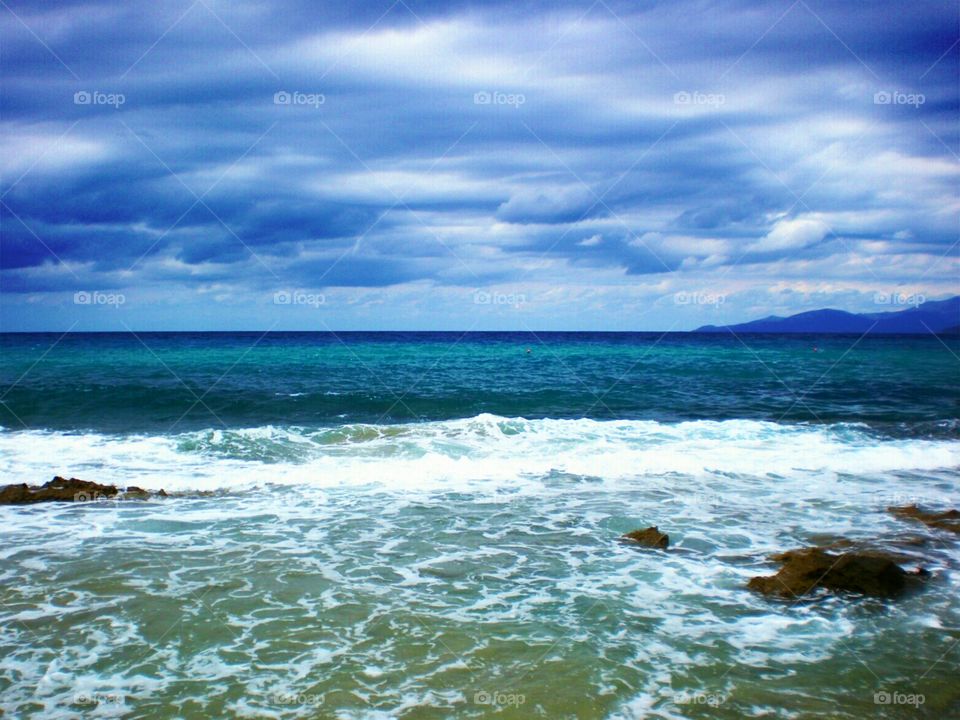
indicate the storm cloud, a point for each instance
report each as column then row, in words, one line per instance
column 597, row 159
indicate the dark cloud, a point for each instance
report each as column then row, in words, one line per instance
column 460, row 143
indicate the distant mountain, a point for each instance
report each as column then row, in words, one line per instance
column 940, row 316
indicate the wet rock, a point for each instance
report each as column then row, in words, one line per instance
column 905, row 550
column 649, row 537
column 864, row 572
column 949, row 520
column 10, row 494
column 57, row 490
column 73, row 490
column 135, row 493
column 889, row 544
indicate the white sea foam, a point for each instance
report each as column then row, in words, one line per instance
column 419, row 565
column 456, row 453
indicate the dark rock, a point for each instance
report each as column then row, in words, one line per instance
column 649, row 537
column 864, row 572
column 11, row 494
column 949, row 520
column 909, row 542
column 57, row 490
column 73, row 490
column 902, row 549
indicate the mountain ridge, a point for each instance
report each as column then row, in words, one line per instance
column 935, row 316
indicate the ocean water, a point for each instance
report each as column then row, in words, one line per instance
column 425, row 525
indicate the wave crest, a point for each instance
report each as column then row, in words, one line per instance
column 481, row 448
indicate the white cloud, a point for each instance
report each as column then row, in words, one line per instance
column 39, row 150
column 790, row 234
column 549, row 205
column 696, row 246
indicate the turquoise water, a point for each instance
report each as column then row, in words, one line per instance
column 148, row 382
column 426, row 526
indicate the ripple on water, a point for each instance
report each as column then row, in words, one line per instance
column 365, row 595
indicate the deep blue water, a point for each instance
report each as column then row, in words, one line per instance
column 153, row 382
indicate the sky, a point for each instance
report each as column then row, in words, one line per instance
column 213, row 165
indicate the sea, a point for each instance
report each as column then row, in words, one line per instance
column 428, row 525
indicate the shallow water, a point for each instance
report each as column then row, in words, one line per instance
column 467, row 566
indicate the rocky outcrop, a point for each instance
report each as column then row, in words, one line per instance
column 135, row 493
column 864, row 572
column 73, row 490
column 949, row 520
column 57, row 490
column 649, row 537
